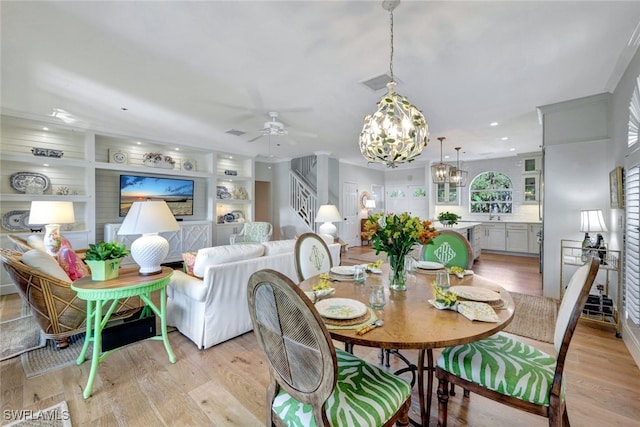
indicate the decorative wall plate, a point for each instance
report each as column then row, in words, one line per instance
column 21, row 180
column 189, row 165
column 118, row 156
column 17, row 221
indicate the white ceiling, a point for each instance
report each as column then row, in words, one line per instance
column 188, row 71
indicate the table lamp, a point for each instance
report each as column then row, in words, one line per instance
column 328, row 214
column 149, row 218
column 52, row 214
column 369, row 204
column 592, row 221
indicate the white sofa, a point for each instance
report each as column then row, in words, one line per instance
column 213, row 308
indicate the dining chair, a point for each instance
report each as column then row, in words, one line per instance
column 312, row 256
column 510, row 371
column 253, row 232
column 312, row 382
column 449, row 248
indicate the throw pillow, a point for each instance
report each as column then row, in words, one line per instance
column 225, row 254
column 45, row 263
column 36, row 242
column 189, row 259
column 70, row 262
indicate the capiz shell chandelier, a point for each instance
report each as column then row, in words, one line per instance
column 397, row 131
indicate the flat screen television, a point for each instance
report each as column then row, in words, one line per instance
column 178, row 193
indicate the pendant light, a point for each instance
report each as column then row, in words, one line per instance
column 397, row 131
column 458, row 177
column 441, row 172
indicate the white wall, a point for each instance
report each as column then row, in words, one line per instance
column 619, row 129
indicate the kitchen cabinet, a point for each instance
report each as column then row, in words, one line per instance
column 516, row 238
column 494, row 236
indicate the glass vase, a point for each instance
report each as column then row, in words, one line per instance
column 397, row 275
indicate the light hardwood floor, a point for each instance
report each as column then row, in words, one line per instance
column 225, row 385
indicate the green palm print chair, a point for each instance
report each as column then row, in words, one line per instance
column 253, row 232
column 313, row 383
column 512, row 372
column 312, row 256
column 449, row 248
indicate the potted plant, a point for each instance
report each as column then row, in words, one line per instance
column 104, row 259
column 448, row 218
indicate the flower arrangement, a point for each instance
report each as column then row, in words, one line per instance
column 396, row 235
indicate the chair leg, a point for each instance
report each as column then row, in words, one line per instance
column 403, row 418
column 565, row 417
column 62, row 343
column 443, row 400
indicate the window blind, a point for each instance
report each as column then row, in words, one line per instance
column 632, row 245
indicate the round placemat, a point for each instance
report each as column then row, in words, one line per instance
column 349, row 322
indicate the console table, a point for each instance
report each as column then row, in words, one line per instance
column 99, row 293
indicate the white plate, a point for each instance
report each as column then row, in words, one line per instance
column 475, row 293
column 345, row 270
column 430, row 265
column 341, row 308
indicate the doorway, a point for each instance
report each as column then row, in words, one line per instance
column 263, row 202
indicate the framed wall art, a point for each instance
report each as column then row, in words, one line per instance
column 616, row 188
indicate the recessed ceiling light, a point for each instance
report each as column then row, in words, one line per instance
column 230, row 157
column 493, row 124
column 138, row 142
column 512, row 149
column 504, row 138
column 177, row 148
column 45, row 164
column 124, row 108
column 45, row 128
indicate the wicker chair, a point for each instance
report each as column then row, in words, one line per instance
column 54, row 305
column 312, row 382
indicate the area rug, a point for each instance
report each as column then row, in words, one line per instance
column 18, row 336
column 53, row 416
column 535, row 317
column 49, row 358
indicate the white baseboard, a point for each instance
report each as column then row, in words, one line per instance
column 631, row 338
column 8, row 288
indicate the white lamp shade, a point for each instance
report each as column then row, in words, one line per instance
column 152, row 216
column 45, row 212
column 370, row 204
column 592, row 221
column 328, row 213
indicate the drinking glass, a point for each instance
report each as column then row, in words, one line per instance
column 442, row 280
column 377, row 297
column 359, row 274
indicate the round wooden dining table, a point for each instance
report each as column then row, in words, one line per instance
column 411, row 322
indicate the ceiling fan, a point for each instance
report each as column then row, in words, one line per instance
column 274, row 127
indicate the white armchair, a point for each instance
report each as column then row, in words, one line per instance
column 253, row 232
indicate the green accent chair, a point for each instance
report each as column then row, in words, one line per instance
column 312, row 382
column 509, row 371
column 312, row 256
column 449, row 248
column 253, row 232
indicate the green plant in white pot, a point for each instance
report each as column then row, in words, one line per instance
column 104, row 259
column 448, row 218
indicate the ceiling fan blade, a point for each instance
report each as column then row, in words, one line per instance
column 290, row 140
column 295, row 132
column 255, row 138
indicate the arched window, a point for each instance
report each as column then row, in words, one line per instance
column 491, row 192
